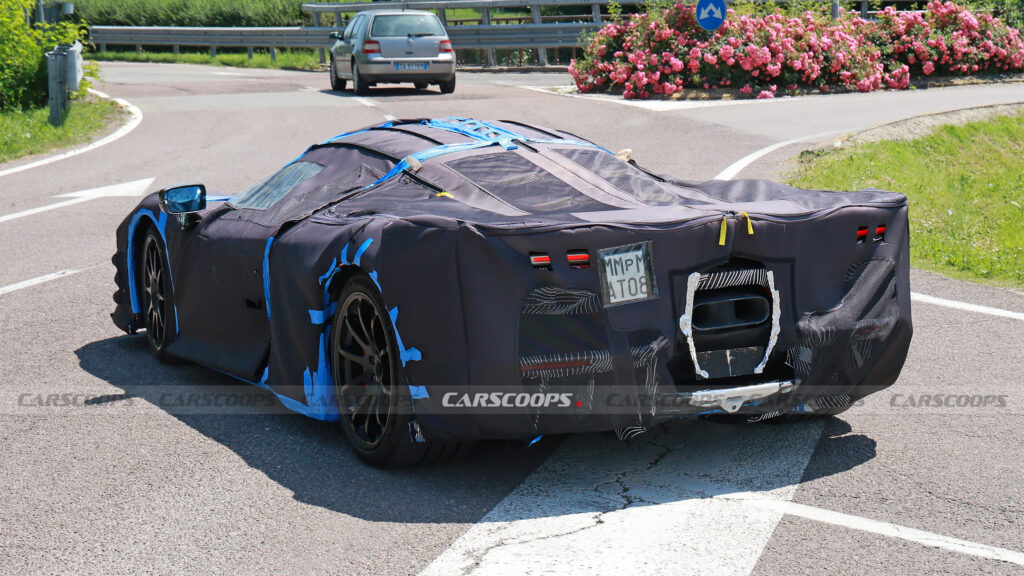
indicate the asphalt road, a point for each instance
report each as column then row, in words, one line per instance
column 109, row 479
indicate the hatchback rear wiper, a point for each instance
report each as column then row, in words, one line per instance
column 420, row 35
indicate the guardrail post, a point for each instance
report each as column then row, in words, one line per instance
column 338, row 22
column 442, row 15
column 864, row 9
column 176, row 49
column 213, row 52
column 273, row 54
column 486, row 15
column 103, row 47
column 319, row 51
column 835, row 9
column 542, row 53
column 57, row 76
column 595, row 10
column 138, row 48
column 248, row 50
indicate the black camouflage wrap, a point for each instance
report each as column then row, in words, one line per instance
column 447, row 237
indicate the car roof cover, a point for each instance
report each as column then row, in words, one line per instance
column 508, row 174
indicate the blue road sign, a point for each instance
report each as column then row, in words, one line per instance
column 710, row 14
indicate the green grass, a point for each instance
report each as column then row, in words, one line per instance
column 29, row 132
column 297, row 59
column 966, row 189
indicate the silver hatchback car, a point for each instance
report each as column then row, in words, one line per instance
column 387, row 46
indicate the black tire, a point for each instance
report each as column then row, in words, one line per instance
column 337, row 84
column 420, row 85
column 370, row 387
column 156, row 297
column 359, row 85
column 447, row 86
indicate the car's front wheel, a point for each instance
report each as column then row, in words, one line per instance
column 337, row 84
column 359, row 85
column 370, row 387
column 156, row 297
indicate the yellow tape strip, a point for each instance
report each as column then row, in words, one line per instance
column 444, row 195
column 721, row 234
column 750, row 227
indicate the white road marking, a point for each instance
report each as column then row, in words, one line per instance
column 134, row 188
column 648, row 508
column 365, row 101
column 737, row 166
column 121, row 132
column 702, row 499
column 665, row 105
column 887, row 529
column 41, row 279
column 966, row 306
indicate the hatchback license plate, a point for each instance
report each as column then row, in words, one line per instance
column 627, row 274
column 411, row 65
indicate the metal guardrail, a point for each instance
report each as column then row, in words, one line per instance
column 463, row 37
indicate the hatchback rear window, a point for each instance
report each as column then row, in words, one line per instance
column 402, row 25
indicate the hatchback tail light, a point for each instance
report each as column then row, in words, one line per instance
column 446, row 47
column 371, row 47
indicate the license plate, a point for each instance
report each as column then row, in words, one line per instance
column 627, row 274
column 411, row 65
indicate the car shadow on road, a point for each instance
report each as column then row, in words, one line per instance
column 389, row 91
column 309, row 457
column 313, row 460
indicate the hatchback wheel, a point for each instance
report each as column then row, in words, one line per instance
column 337, row 84
column 447, row 86
column 359, row 85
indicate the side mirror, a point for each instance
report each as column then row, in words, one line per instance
column 183, row 199
column 334, row 36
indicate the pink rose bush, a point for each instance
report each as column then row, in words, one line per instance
column 662, row 53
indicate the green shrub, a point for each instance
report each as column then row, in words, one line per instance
column 23, row 75
column 192, row 12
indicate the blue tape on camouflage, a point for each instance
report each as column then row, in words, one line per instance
column 266, row 276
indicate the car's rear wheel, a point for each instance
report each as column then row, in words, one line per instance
column 420, row 85
column 359, row 85
column 337, row 84
column 156, row 298
column 447, row 86
column 370, row 387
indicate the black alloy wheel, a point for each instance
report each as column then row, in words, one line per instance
column 367, row 375
column 369, row 383
column 156, row 298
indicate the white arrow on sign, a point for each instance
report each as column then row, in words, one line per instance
column 134, row 188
